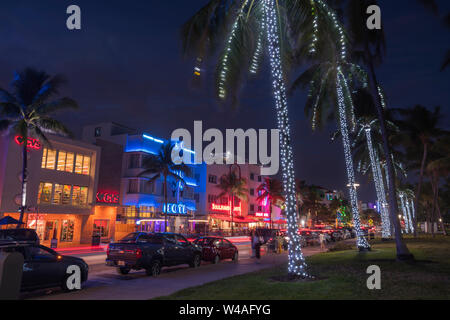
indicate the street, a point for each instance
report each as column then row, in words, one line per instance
column 105, row 283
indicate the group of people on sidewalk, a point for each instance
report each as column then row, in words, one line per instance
column 257, row 240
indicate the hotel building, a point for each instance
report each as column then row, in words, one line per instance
column 62, row 179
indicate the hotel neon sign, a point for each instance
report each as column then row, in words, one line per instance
column 175, row 208
column 226, row 207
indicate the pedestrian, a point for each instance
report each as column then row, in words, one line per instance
column 253, row 240
column 322, row 241
column 258, row 242
column 280, row 242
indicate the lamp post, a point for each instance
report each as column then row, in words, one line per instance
column 232, row 198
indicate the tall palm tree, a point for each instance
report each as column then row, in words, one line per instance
column 420, row 124
column 162, row 166
column 242, row 31
column 271, row 190
column 330, row 79
column 439, row 168
column 28, row 109
column 234, row 187
column 368, row 46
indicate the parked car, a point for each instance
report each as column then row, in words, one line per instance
column 215, row 249
column 152, row 251
column 44, row 267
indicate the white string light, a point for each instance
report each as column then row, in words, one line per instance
column 361, row 241
column 385, row 225
column 405, row 217
column 296, row 264
column 385, row 220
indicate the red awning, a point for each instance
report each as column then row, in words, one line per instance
column 237, row 219
column 280, row 221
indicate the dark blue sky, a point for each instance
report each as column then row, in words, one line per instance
column 125, row 65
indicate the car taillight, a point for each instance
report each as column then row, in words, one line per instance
column 138, row 253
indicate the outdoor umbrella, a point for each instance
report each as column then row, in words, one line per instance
column 9, row 220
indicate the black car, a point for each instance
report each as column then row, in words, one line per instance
column 28, row 235
column 44, row 267
column 152, row 251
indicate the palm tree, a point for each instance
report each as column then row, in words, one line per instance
column 369, row 48
column 439, row 168
column 28, row 112
column 235, row 187
column 270, row 190
column 420, row 124
column 162, row 166
column 329, row 80
column 286, row 29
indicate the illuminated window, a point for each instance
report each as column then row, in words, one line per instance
column 146, row 212
column 67, row 229
column 79, row 164
column 45, row 192
column 66, row 194
column 61, row 161
column 44, row 158
column 57, row 194
column 83, row 196
column 51, row 159
column 86, row 164
column 130, row 211
column 69, row 162
column 76, row 192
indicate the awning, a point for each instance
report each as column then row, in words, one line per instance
column 236, row 219
column 280, row 221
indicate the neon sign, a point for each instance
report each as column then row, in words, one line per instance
column 107, row 197
column 32, row 143
column 175, row 208
column 262, row 214
column 225, row 207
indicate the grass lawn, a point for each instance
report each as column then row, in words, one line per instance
column 342, row 275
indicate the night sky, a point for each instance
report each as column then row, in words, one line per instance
column 125, row 65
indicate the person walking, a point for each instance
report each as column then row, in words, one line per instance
column 280, row 242
column 322, row 241
column 253, row 240
column 258, row 242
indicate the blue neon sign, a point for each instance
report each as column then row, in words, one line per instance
column 175, row 208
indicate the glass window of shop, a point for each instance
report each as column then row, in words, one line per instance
column 50, row 231
column 45, row 192
column 86, row 165
column 101, row 227
column 67, row 229
column 66, row 161
column 61, row 161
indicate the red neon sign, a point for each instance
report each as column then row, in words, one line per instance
column 32, row 143
column 225, row 207
column 107, row 197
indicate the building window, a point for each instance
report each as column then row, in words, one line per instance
column 211, row 198
column 86, row 165
column 146, row 212
column 252, row 192
column 212, row 178
column 98, row 132
column 259, row 179
column 67, row 228
column 69, row 162
column 66, row 194
column 133, row 186
column 252, row 176
column 57, row 194
column 134, row 161
column 45, row 192
column 147, row 187
column 236, row 201
column 48, row 159
column 259, row 208
column 252, row 208
column 224, row 200
column 130, row 211
column 101, row 228
column 61, row 161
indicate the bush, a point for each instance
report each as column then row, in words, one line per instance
column 341, row 246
